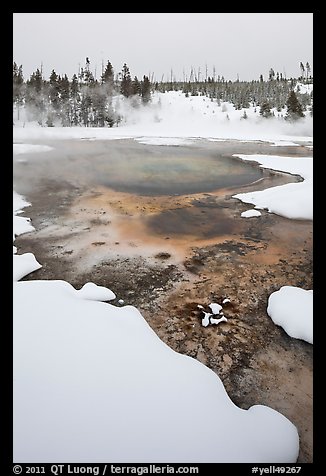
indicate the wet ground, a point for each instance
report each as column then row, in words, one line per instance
column 167, row 253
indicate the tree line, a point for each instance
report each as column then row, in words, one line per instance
column 86, row 101
column 277, row 92
column 83, row 100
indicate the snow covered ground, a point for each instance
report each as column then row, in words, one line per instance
column 292, row 200
column 174, row 116
column 93, row 382
column 29, row 148
column 26, row 263
column 251, row 213
column 292, row 308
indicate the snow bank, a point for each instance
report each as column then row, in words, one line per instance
column 293, row 200
column 23, row 265
column 251, row 213
column 292, row 308
column 26, row 263
column 283, row 143
column 164, row 140
column 93, row 382
column 30, row 148
column 94, row 292
column 303, row 88
column 18, row 203
column 21, row 225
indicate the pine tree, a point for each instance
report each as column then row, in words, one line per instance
column 18, row 87
column 271, row 74
column 308, row 71
column 88, row 75
column 126, row 83
column 86, row 94
column 146, row 90
column 54, row 91
column 64, row 93
column 74, row 95
column 107, row 78
column 35, row 97
column 302, row 70
column 36, row 80
column 85, row 108
column 294, row 108
column 98, row 106
column 265, row 109
column 136, row 87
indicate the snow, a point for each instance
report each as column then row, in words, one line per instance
column 292, row 200
column 164, row 140
column 94, row 292
column 216, row 308
column 24, row 264
column 283, row 143
column 206, row 319
column 251, row 213
column 30, row 148
column 217, row 321
column 19, row 202
column 92, row 381
column 303, row 88
column 292, row 308
column 208, row 316
column 21, row 225
column 173, row 115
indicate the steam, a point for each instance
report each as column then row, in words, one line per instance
column 172, row 114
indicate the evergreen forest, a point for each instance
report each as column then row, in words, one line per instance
column 84, row 100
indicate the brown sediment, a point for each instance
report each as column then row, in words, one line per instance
column 168, row 254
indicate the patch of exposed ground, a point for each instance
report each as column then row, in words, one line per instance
column 256, row 360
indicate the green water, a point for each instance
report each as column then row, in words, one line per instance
column 174, row 175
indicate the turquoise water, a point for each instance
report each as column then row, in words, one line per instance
column 179, row 175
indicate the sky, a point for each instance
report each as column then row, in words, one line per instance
column 234, row 45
